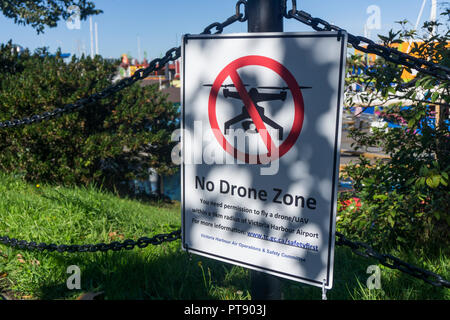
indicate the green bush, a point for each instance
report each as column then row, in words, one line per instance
column 405, row 200
column 117, row 139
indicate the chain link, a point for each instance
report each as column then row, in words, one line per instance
column 100, row 247
column 173, row 54
column 238, row 16
column 359, row 248
column 387, row 260
column 392, row 55
column 368, row 46
column 156, row 64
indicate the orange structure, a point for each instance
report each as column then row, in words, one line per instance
column 404, row 47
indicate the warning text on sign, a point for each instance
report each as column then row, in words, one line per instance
column 275, row 195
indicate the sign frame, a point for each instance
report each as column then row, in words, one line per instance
column 342, row 37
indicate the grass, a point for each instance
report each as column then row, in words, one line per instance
column 44, row 213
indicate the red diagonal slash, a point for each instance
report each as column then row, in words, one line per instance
column 253, row 112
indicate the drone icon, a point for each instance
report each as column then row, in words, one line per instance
column 256, row 97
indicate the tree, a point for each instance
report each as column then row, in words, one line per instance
column 404, row 199
column 42, row 13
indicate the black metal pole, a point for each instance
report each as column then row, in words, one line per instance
column 265, row 16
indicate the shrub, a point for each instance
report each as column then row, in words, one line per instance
column 116, row 139
column 405, row 199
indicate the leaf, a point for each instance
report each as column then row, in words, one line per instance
column 434, row 96
column 380, row 197
column 35, row 262
column 420, row 182
column 20, row 258
column 433, row 182
column 89, row 295
column 391, row 221
column 423, row 171
column 112, row 234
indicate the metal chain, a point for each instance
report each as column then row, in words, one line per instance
column 156, row 64
column 173, row 54
column 389, row 54
column 397, row 57
column 368, row 46
column 358, row 248
column 364, row 250
column 100, row 247
column 238, row 16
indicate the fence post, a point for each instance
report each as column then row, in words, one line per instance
column 265, row 16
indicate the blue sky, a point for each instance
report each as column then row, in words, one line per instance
column 160, row 24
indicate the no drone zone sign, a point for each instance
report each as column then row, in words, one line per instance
column 261, row 123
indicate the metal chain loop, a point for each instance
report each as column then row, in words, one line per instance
column 140, row 74
column 358, row 248
column 397, row 57
column 173, row 54
column 241, row 17
column 154, row 65
column 368, row 46
column 236, row 17
column 387, row 260
column 100, row 247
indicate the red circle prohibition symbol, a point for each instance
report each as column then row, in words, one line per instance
column 274, row 152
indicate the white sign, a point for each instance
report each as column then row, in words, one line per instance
column 261, row 123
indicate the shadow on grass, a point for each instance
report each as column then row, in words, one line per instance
column 166, row 273
column 86, row 204
column 138, row 275
column 64, row 200
column 350, row 282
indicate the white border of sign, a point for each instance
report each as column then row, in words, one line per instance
column 340, row 36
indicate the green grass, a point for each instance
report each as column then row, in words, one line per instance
column 86, row 215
